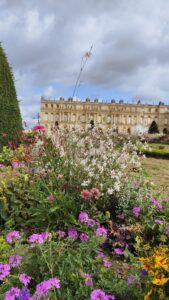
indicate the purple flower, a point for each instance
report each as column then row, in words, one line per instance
column 25, row 279
column 4, row 270
column 143, row 273
column 160, row 222
column 12, row 293
column 119, row 251
column 97, row 295
column 38, row 238
column 136, row 211
column 46, row 285
column 166, row 230
column 88, row 279
column 157, row 204
column 72, row 233
column 15, row 164
column 91, row 222
column 101, row 254
column 101, row 231
column 110, row 297
column 107, row 264
column 61, row 233
column 83, row 217
column 2, row 165
column 24, row 294
column 15, row 260
column 13, row 236
column 83, row 237
column 130, row 280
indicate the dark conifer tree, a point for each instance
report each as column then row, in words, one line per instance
column 153, row 128
column 10, row 116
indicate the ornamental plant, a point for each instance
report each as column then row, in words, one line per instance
column 10, row 116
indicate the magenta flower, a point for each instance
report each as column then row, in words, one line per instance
column 119, row 251
column 83, row 217
column 61, row 233
column 157, row 204
column 4, row 270
column 12, row 294
column 72, row 233
column 88, row 279
column 110, row 297
column 101, row 254
column 130, row 280
column 166, row 230
column 101, row 231
column 38, row 238
column 13, row 236
column 46, row 285
column 97, row 295
column 84, row 237
column 107, row 264
column 25, row 279
column 136, row 211
column 91, row 222
column 160, row 222
column 15, row 164
column 15, row 260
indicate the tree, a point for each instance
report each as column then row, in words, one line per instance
column 153, row 128
column 10, row 116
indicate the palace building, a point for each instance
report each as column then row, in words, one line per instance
column 121, row 117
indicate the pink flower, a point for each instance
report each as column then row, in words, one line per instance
column 12, row 293
column 165, row 200
column 88, row 279
column 72, row 233
column 95, row 193
column 4, row 270
column 119, row 251
column 38, row 238
column 83, row 217
column 91, row 222
column 160, row 222
column 97, row 295
column 101, row 254
column 13, row 236
column 25, row 279
column 46, row 285
column 51, row 197
column 107, row 264
column 15, row 164
column 15, row 260
column 136, row 211
column 101, row 231
column 85, row 194
column 39, row 128
column 83, row 237
column 157, row 204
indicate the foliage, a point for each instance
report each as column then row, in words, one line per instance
column 10, row 117
column 153, row 128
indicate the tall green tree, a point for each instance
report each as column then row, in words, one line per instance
column 10, row 116
column 153, row 128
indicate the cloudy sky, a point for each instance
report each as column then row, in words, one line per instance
column 45, row 41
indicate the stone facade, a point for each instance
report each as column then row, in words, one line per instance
column 121, row 117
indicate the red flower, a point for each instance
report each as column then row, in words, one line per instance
column 39, row 128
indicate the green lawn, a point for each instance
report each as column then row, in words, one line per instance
column 157, row 171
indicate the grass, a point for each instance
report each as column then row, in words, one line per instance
column 157, row 171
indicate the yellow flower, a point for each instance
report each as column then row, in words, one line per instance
column 159, row 279
column 162, row 262
column 163, row 238
column 147, row 296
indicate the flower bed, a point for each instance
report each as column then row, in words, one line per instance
column 79, row 220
